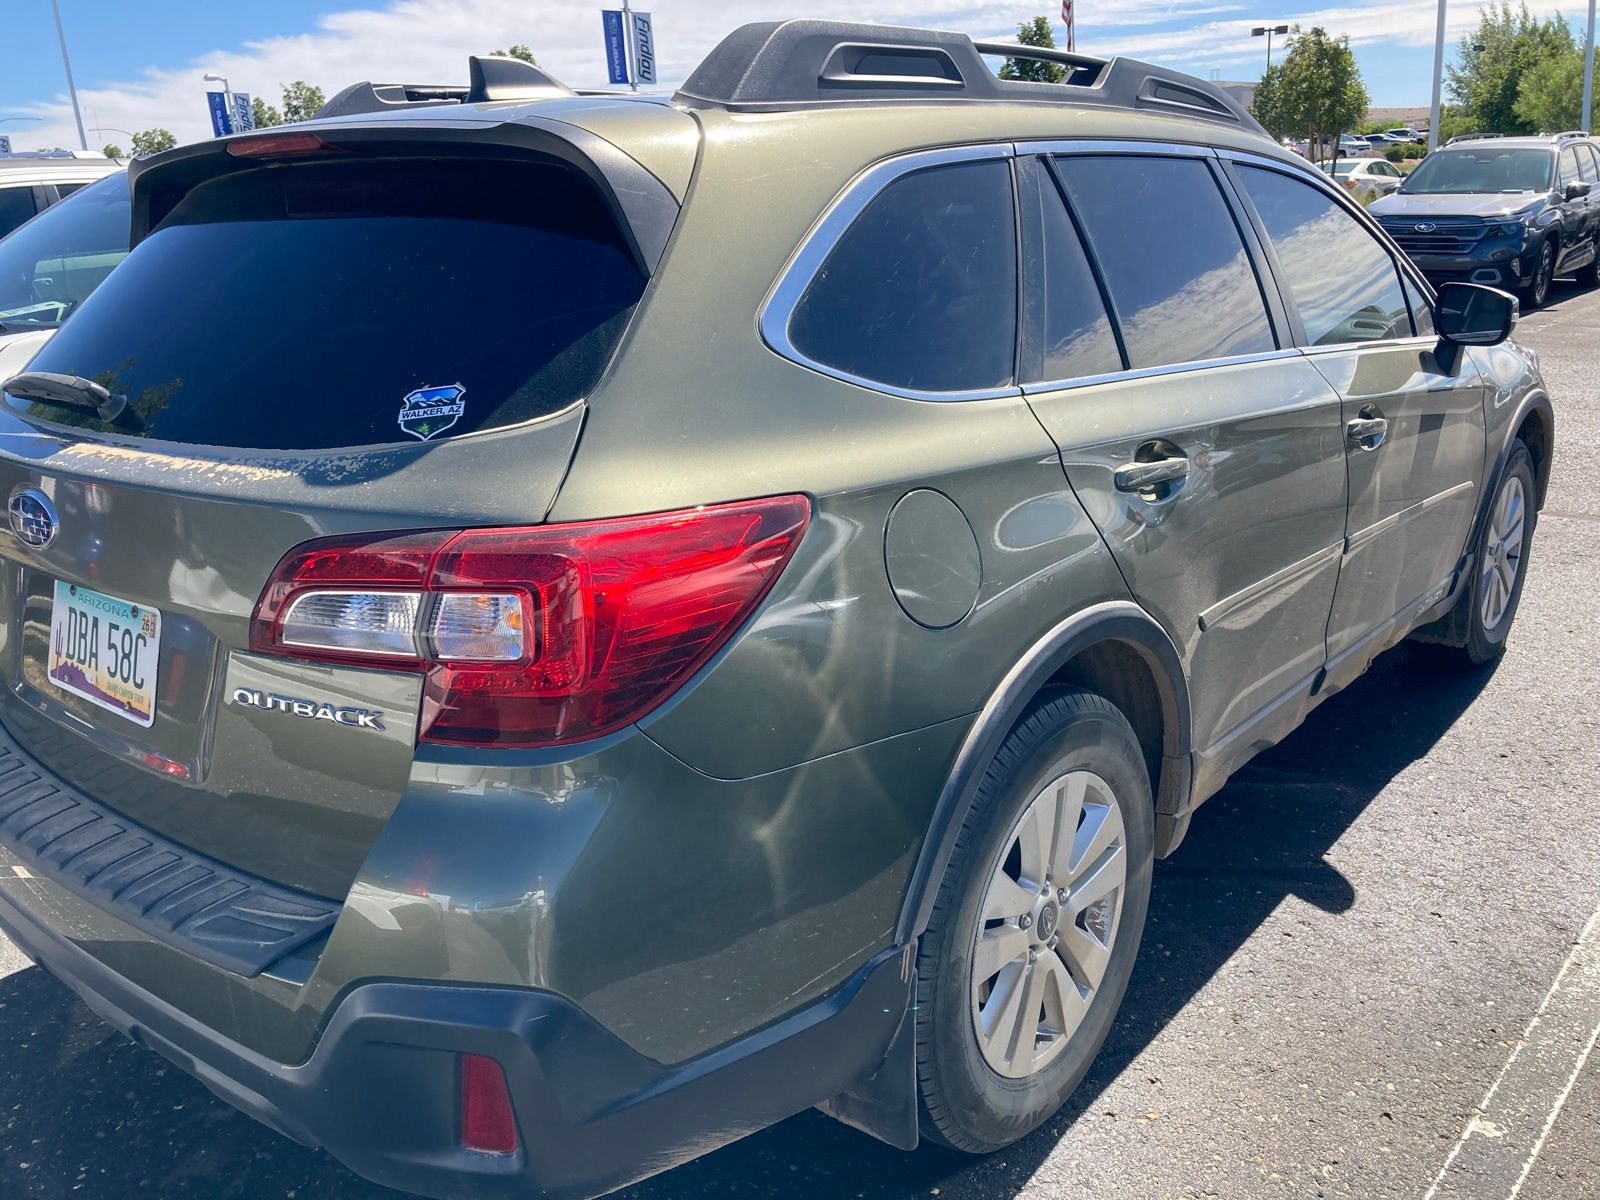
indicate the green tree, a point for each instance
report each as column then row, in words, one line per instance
column 1486, row 80
column 1550, row 96
column 111, row 150
column 518, row 50
column 265, row 115
column 1036, row 32
column 153, row 141
column 301, row 101
column 1315, row 91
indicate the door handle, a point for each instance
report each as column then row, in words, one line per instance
column 1143, row 476
column 1368, row 430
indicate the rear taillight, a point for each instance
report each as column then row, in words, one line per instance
column 533, row 636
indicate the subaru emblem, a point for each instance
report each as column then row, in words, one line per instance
column 33, row 517
column 1424, row 227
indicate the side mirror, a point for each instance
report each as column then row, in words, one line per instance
column 1471, row 314
column 1578, row 188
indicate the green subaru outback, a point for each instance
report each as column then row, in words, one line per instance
column 547, row 632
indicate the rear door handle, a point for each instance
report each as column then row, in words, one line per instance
column 1368, row 430
column 1142, row 476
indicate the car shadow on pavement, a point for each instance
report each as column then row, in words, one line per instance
column 85, row 1113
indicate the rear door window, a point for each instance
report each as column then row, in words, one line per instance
column 16, row 206
column 920, row 292
column 1173, row 259
column 323, row 305
column 1342, row 279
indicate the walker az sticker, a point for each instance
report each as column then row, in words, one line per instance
column 431, row 410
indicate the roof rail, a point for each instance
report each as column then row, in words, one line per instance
column 1472, row 137
column 774, row 65
column 491, row 78
column 1570, row 133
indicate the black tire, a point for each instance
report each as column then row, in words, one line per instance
column 1461, row 637
column 1544, row 274
column 966, row 1104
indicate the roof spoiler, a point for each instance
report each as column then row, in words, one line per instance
column 490, row 78
column 773, row 65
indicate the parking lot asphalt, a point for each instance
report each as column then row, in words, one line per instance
column 1372, row 970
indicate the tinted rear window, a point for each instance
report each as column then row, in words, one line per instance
column 1174, row 262
column 921, row 291
column 16, row 206
column 344, row 304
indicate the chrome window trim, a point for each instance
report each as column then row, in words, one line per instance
column 777, row 310
column 1199, row 364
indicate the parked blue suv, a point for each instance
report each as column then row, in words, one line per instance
column 1512, row 212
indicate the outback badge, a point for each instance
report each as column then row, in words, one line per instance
column 431, row 410
column 311, row 710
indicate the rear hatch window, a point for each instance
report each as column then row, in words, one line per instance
column 314, row 306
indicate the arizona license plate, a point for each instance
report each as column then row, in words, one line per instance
column 105, row 650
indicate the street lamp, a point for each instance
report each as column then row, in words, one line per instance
column 61, row 36
column 3, row 120
column 1268, row 31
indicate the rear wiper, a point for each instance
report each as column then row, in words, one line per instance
column 69, row 391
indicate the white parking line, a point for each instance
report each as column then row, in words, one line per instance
column 1503, row 1137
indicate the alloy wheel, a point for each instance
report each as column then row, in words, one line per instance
column 1050, row 919
column 1502, row 552
column 1545, row 274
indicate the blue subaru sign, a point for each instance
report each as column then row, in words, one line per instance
column 431, row 410
column 221, row 118
column 616, row 45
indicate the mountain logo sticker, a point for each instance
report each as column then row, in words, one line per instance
column 428, row 412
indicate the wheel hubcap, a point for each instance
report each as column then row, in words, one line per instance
column 1050, row 918
column 1502, row 553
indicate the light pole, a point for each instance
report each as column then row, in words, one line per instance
column 61, row 36
column 1438, row 80
column 1269, row 30
column 1588, row 69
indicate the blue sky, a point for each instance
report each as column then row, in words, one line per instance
column 138, row 62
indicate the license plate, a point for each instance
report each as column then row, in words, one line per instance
column 105, row 650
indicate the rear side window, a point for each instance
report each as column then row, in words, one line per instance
column 332, row 304
column 1342, row 279
column 16, row 206
column 921, row 290
column 1173, row 259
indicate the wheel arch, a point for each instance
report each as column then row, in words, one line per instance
column 1114, row 648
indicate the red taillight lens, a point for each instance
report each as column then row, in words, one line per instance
column 534, row 636
column 487, row 1123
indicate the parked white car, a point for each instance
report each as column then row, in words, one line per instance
column 1365, row 178
column 1404, row 133
column 31, row 181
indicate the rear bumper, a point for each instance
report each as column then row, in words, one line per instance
column 380, row 1091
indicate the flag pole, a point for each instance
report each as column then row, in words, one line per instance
column 632, row 48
